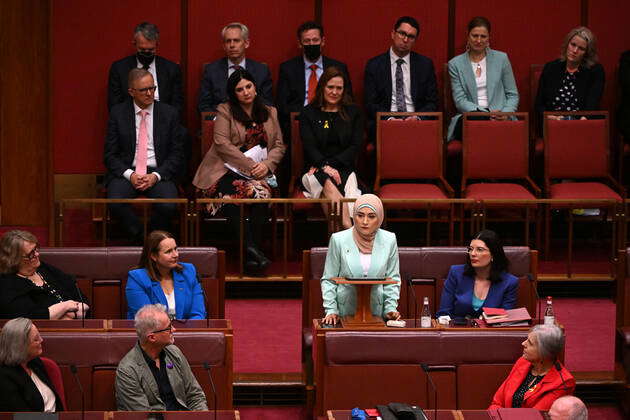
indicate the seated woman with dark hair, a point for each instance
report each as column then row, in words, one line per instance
column 482, row 281
column 246, row 151
column 331, row 128
column 32, row 288
column 24, row 382
column 573, row 82
column 161, row 278
column 537, row 378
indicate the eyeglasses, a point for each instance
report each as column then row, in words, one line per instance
column 146, row 89
column 32, row 255
column 478, row 250
column 404, row 35
column 169, row 329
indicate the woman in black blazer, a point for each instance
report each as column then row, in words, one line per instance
column 573, row 82
column 24, row 383
column 331, row 128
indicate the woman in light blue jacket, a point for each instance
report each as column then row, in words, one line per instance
column 364, row 250
column 481, row 78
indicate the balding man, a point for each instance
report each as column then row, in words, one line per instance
column 568, row 408
column 155, row 375
column 144, row 154
column 167, row 75
column 235, row 39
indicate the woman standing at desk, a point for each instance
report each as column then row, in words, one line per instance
column 482, row 281
column 364, row 250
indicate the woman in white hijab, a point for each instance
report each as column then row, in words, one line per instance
column 364, row 250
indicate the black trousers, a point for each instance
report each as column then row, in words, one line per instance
column 258, row 215
column 161, row 214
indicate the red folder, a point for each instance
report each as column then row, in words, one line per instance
column 514, row 316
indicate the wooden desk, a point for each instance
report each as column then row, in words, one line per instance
column 135, row 415
column 369, row 366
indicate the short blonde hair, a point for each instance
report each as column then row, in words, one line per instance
column 11, row 245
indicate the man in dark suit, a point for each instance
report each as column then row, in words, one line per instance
column 298, row 78
column 400, row 80
column 213, row 85
column 143, row 154
column 166, row 74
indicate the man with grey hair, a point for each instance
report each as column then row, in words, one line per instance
column 568, row 408
column 155, row 375
column 235, row 39
column 166, row 74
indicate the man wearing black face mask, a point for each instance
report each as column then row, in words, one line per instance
column 298, row 77
column 166, row 74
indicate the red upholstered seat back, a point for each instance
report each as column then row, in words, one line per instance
column 410, row 149
column 297, row 151
column 207, row 131
column 54, row 373
column 496, row 149
column 576, row 149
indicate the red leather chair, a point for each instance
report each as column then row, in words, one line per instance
column 498, row 151
column 207, row 131
column 409, row 163
column 54, row 373
column 577, row 153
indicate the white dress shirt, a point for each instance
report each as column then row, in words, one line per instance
column 406, row 69
column 151, row 70
column 231, row 69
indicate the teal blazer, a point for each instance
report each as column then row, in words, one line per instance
column 342, row 260
column 502, row 90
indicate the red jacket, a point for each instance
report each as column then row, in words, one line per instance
column 544, row 393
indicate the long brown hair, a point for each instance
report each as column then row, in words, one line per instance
column 346, row 99
column 152, row 247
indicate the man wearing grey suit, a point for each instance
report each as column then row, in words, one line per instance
column 155, row 375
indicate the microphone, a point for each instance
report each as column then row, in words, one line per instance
column 206, row 366
column 425, row 368
column 415, row 303
column 538, row 311
column 205, row 298
column 559, row 369
column 75, row 373
column 76, row 286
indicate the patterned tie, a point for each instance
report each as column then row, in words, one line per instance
column 312, row 82
column 141, row 150
column 236, row 67
column 400, row 87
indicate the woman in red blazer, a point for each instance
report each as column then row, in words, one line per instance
column 537, row 378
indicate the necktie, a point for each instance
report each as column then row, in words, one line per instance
column 312, row 82
column 235, row 67
column 400, row 87
column 141, row 150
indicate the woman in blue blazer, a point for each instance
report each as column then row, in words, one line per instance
column 481, row 78
column 364, row 250
column 160, row 278
column 482, row 281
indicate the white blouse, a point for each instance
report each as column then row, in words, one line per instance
column 48, row 395
column 366, row 259
column 482, row 85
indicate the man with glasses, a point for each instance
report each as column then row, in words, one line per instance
column 235, row 38
column 155, row 375
column 143, row 155
column 399, row 80
column 166, row 74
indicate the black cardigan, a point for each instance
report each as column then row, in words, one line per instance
column 18, row 391
column 314, row 134
column 589, row 87
column 19, row 297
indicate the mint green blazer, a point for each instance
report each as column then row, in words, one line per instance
column 342, row 260
column 502, row 90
